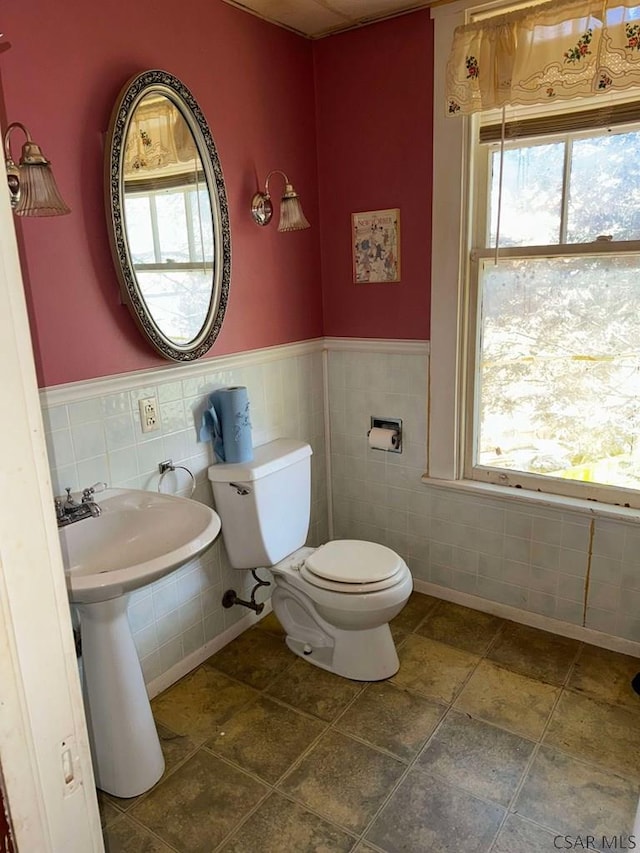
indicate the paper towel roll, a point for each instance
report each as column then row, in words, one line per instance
column 227, row 423
column 383, row 439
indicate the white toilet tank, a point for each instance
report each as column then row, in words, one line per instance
column 265, row 504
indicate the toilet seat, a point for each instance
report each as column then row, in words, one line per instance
column 352, row 566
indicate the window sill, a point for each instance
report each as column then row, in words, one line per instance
column 559, row 502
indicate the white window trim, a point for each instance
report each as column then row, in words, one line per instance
column 449, row 249
column 452, row 243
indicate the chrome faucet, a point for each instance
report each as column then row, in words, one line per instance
column 87, row 500
column 68, row 510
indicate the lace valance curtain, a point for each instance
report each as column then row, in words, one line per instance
column 552, row 52
column 158, row 138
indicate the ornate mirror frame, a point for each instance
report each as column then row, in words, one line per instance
column 163, row 83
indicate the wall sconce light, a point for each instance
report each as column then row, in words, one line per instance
column 32, row 187
column 291, row 216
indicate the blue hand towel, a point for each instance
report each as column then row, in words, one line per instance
column 227, row 423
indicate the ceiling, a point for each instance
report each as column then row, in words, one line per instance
column 318, row 18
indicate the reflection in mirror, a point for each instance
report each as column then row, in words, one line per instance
column 167, row 208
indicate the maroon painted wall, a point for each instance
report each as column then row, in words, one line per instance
column 254, row 82
column 347, row 117
column 374, row 117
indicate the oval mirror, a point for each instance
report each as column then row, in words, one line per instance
column 167, row 215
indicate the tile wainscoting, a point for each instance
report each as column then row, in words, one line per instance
column 529, row 563
column 93, row 433
column 565, row 570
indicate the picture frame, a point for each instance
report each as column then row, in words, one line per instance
column 375, row 243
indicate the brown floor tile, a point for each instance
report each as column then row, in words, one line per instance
column 433, row 669
column 199, row 804
column 125, row 836
column 459, row 626
column 392, row 719
column 606, row 675
column 425, row 815
column 343, row 780
column 314, row 690
column 412, row 613
column 482, row 759
column 280, row 825
column 575, row 798
column 265, row 738
column 271, row 624
column 520, row 836
column 595, row 731
column 107, row 809
column 536, row 654
column 199, row 703
column 508, row 700
column 255, row 657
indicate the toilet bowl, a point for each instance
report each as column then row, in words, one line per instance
column 334, row 602
column 341, row 626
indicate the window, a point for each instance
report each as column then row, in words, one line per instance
column 170, row 232
column 554, row 376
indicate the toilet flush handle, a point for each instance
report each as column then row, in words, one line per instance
column 240, row 488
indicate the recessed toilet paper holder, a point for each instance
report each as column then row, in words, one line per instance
column 394, row 424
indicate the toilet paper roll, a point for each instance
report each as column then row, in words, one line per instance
column 383, row 439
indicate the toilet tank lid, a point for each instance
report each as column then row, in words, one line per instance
column 267, row 458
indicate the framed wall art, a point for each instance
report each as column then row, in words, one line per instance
column 375, row 240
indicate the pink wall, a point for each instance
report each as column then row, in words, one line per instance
column 374, row 108
column 254, row 82
column 263, row 91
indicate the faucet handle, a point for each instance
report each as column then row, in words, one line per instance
column 69, row 501
column 91, row 490
column 57, row 502
column 100, row 486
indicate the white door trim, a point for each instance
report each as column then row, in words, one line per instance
column 42, row 725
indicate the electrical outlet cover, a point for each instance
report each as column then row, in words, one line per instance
column 148, row 414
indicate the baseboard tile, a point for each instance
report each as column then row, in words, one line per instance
column 514, row 614
column 533, row 620
column 192, row 661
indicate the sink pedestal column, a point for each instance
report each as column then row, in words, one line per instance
column 126, row 750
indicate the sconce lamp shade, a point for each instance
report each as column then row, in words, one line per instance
column 292, row 217
column 32, row 186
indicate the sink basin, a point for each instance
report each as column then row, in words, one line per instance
column 139, row 537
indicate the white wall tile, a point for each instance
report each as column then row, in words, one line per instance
column 60, row 448
column 171, row 653
column 571, row 588
column 604, row 596
column 608, row 539
column 92, row 471
column 55, row 417
column 575, row 535
column 88, row 440
column 547, row 530
column 119, row 431
column 569, row 611
column 85, row 411
column 606, row 569
column 115, row 404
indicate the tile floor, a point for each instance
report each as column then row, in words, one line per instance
column 491, row 737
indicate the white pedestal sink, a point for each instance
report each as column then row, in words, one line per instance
column 139, row 537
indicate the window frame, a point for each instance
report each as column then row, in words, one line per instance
column 454, row 312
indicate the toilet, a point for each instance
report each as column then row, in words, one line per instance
column 334, row 602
